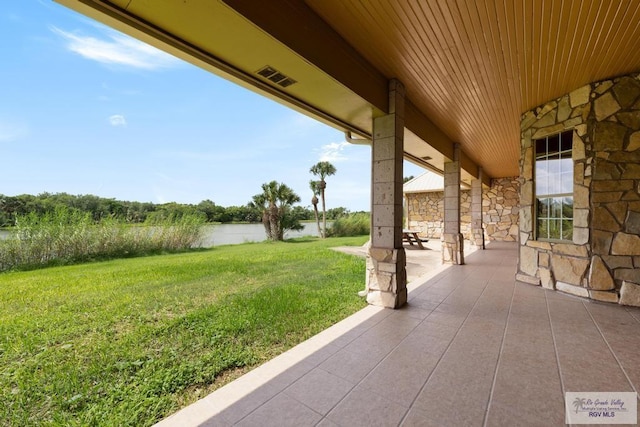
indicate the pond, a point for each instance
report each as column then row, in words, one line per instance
column 233, row 234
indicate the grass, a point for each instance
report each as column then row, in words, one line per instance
column 128, row 342
column 355, row 224
column 68, row 236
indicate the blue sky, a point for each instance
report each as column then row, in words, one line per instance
column 87, row 110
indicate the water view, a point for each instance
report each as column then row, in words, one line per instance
column 233, row 234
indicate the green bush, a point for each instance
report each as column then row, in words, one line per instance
column 68, row 236
column 356, row 224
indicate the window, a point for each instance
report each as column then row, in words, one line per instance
column 554, row 187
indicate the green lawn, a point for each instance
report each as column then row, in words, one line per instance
column 127, row 342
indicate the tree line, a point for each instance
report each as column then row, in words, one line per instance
column 12, row 207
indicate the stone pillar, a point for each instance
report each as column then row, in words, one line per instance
column 477, row 231
column 452, row 239
column 386, row 262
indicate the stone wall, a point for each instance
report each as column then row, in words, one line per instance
column 425, row 211
column 500, row 209
column 603, row 260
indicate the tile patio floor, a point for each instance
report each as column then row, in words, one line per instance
column 471, row 348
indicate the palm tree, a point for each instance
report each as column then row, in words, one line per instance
column 579, row 403
column 274, row 202
column 314, row 201
column 323, row 170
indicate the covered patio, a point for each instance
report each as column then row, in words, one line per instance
column 475, row 91
column 471, row 347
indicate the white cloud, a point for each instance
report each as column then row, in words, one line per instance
column 117, row 49
column 333, row 152
column 12, row 131
column 117, row 120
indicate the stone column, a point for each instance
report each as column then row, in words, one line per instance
column 452, row 239
column 477, row 232
column 386, row 262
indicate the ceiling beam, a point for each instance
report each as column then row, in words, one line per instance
column 316, row 41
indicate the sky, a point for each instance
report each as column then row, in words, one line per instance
column 85, row 109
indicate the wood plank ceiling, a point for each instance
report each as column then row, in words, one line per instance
column 474, row 66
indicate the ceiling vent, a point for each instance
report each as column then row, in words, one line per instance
column 426, row 158
column 275, row 76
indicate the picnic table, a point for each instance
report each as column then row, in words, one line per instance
column 412, row 236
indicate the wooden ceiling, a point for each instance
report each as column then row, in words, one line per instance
column 471, row 67
column 474, row 66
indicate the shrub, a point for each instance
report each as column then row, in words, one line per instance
column 68, row 236
column 356, row 224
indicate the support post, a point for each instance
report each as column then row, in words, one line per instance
column 477, row 231
column 386, row 261
column 452, row 239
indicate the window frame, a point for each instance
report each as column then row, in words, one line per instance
column 561, row 196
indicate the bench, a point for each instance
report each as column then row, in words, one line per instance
column 411, row 236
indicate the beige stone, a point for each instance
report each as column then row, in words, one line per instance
column 543, row 259
column 599, row 277
column 604, row 296
column 605, row 106
column 625, row 244
column 386, row 299
column 528, row 279
column 630, row 294
column 580, row 235
column 525, row 220
column 527, row 120
column 569, row 249
column 581, row 217
column 549, row 129
column 634, row 141
column 608, row 136
column 578, row 152
column 539, row 244
column 546, row 278
column 581, row 130
column 572, row 289
column 528, row 260
column 580, row 96
column 602, row 87
column 564, row 109
column 569, row 269
column 580, row 197
column 549, row 106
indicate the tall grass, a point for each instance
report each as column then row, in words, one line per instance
column 355, row 224
column 68, row 236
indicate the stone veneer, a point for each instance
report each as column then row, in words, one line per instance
column 425, row 211
column 603, row 260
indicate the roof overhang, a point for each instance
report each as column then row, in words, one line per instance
column 470, row 68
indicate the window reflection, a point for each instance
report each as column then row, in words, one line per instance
column 554, row 187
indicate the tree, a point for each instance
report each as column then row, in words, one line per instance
column 315, row 189
column 323, row 170
column 275, row 203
